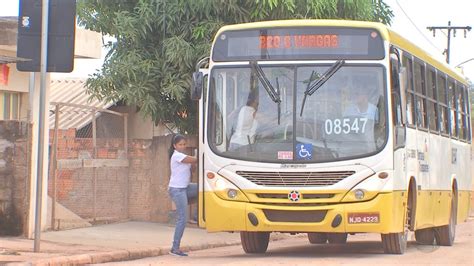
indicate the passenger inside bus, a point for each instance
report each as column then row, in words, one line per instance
column 246, row 126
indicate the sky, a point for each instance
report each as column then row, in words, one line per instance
column 411, row 17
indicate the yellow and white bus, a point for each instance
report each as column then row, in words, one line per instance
column 352, row 129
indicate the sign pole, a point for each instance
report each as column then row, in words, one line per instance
column 41, row 123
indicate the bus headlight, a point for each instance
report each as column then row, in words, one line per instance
column 232, row 193
column 367, row 189
column 225, row 190
column 359, row 194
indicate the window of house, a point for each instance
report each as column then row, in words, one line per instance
column 11, row 105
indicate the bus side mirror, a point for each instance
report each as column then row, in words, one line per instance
column 403, row 81
column 196, row 87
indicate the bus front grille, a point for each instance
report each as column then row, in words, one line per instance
column 295, row 216
column 285, row 196
column 295, row 179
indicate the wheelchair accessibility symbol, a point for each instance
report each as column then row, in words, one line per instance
column 304, row 151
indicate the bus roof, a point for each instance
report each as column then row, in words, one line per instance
column 408, row 46
column 386, row 33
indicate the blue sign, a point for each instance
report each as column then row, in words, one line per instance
column 304, row 151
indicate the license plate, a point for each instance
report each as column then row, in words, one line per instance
column 363, row 218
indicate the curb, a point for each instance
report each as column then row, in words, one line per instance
column 131, row 254
column 101, row 257
column 122, row 255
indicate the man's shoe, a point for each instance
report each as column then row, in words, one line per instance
column 178, row 253
column 192, row 222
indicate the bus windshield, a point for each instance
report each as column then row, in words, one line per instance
column 345, row 118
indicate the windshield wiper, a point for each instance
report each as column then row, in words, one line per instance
column 278, row 92
column 320, row 82
column 274, row 94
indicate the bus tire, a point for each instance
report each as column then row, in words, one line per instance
column 425, row 236
column 445, row 234
column 337, row 238
column 254, row 242
column 317, row 238
column 396, row 243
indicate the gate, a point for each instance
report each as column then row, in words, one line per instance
column 88, row 165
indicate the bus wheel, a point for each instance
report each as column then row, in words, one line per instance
column 445, row 234
column 254, row 242
column 425, row 236
column 337, row 238
column 317, row 238
column 396, row 243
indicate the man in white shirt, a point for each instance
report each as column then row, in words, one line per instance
column 362, row 107
column 363, row 116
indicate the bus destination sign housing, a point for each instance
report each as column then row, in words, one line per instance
column 298, row 43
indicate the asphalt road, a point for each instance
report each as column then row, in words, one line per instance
column 360, row 249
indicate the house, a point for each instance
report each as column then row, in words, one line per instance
column 107, row 162
column 76, row 106
column 19, row 127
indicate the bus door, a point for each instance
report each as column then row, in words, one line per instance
column 199, row 91
column 398, row 79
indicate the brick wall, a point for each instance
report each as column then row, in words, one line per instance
column 137, row 192
column 15, row 147
column 149, row 177
column 90, row 192
column 141, row 183
column 75, row 191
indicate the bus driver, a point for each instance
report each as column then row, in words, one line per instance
column 364, row 115
column 362, row 107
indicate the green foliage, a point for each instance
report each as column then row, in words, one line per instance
column 159, row 41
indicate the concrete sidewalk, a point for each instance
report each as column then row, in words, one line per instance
column 107, row 243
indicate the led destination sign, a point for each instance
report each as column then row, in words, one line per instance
column 302, row 43
column 298, row 41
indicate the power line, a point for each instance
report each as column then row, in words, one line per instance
column 462, row 63
column 451, row 29
column 414, row 25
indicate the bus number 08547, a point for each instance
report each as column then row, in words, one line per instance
column 345, row 126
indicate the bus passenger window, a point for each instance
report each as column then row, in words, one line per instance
column 467, row 118
column 452, row 108
column 407, row 63
column 421, row 115
column 395, row 88
column 443, row 104
column 216, row 118
column 460, row 111
column 432, row 104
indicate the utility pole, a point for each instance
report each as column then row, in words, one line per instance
column 450, row 29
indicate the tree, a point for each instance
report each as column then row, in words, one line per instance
column 159, row 41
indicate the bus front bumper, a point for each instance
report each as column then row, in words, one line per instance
column 382, row 214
